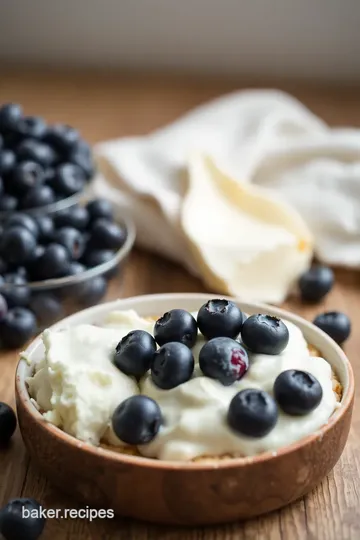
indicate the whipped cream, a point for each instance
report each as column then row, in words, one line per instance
column 245, row 241
column 78, row 387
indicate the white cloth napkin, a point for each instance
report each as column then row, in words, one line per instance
column 260, row 136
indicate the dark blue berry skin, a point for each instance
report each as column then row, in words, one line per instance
column 37, row 197
column 334, row 323
column 75, row 268
column 91, row 291
column 252, row 413
column 53, row 263
column 137, row 420
column 32, row 127
column 95, row 257
column 23, row 220
column 68, row 180
column 223, row 359
column 10, row 115
column 8, row 203
column 15, row 290
column 3, row 307
column 72, row 240
column 7, row 423
column 76, row 216
column 17, row 245
column 26, row 175
column 134, row 353
column 100, row 208
column 17, row 327
column 219, row 318
column 297, row 392
column 1, row 186
column 81, row 156
column 32, row 150
column 62, row 137
column 315, row 284
column 15, row 526
column 176, row 325
column 46, row 307
column 45, row 226
column 33, row 265
column 107, row 235
column 264, row 334
column 7, row 161
column 172, row 365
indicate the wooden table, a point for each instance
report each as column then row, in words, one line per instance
column 107, row 105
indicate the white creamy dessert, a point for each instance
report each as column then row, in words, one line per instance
column 78, row 387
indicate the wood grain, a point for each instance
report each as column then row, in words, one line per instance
column 105, row 105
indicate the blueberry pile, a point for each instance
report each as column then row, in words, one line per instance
column 39, row 164
column 229, row 335
column 38, row 248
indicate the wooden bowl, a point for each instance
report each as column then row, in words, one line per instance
column 177, row 492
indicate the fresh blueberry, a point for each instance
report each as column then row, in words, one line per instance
column 53, row 263
column 72, row 239
column 68, row 180
column 45, row 225
column 7, row 423
column 33, row 265
column 252, row 413
column 17, row 245
column 22, row 272
column 75, row 268
column 172, row 365
column 21, row 519
column 26, row 175
column 91, row 291
column 17, row 327
column 334, row 323
column 137, row 420
column 264, row 334
column 39, row 152
column 176, row 325
column 10, row 115
column 297, row 392
column 8, row 203
column 135, row 352
column 107, row 235
column 95, row 257
column 316, row 283
column 46, row 307
column 37, row 197
column 220, row 318
column 62, row 137
column 7, row 161
column 3, row 307
column 100, row 208
column 15, row 290
column 76, row 216
column 3, row 266
column 32, row 127
column 81, row 156
column 223, row 359
column 23, row 220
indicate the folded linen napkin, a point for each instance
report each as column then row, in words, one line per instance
column 263, row 138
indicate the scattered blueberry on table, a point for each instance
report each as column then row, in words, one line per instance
column 316, row 283
column 334, row 323
column 20, row 519
column 8, row 423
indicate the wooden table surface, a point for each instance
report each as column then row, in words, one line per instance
column 106, row 105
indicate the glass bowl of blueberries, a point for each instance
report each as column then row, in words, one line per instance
column 53, row 265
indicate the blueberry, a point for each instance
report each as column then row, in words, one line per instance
column 62, row 137
column 3, row 265
column 72, row 239
column 100, row 208
column 31, row 126
column 316, row 283
column 265, row 334
column 81, row 156
column 297, row 392
column 37, row 197
column 75, row 268
column 10, row 115
column 1, row 186
column 252, row 413
column 76, row 216
column 334, row 323
column 33, row 264
column 3, row 307
column 18, row 326
column 22, row 272
column 91, row 291
column 223, row 359
column 137, row 420
column 7, row 161
column 39, row 152
column 45, row 225
column 53, row 263
column 26, row 175
column 23, row 220
column 8, row 203
column 46, row 308
column 219, row 318
column 68, row 180
column 135, row 352
column 172, row 365
column 7, row 423
column 95, row 257
column 17, row 245
column 107, row 235
column 20, row 519
column 176, row 325
column 15, row 290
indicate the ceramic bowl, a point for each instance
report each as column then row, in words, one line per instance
column 177, row 492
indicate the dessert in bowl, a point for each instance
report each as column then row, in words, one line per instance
column 199, row 436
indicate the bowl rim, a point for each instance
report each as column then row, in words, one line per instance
column 117, row 457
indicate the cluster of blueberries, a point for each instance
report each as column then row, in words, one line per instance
column 251, row 412
column 33, row 249
column 39, row 164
